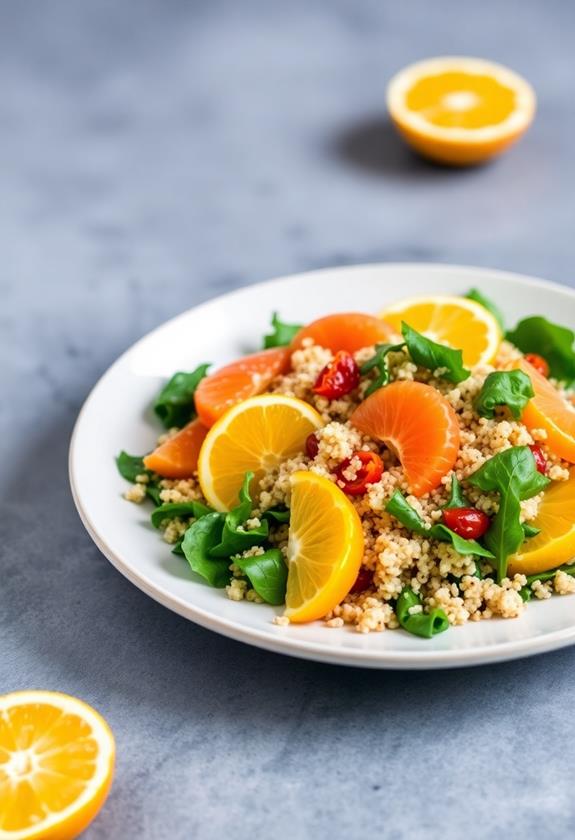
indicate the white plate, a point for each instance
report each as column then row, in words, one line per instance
column 117, row 416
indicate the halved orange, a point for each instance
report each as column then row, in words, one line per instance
column 555, row 544
column 255, row 435
column 548, row 410
column 325, row 547
column 458, row 322
column 178, row 456
column 56, row 765
column 418, row 424
column 460, row 110
column 237, row 381
column 349, row 331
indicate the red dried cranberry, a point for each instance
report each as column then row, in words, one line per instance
column 311, row 445
column 338, row 378
column 363, row 580
column 540, row 459
column 538, row 362
column 369, row 472
column 468, row 523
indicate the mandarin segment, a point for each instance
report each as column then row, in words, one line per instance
column 550, row 411
column 177, row 457
column 347, row 331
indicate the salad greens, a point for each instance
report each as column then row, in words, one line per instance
column 552, row 341
column 282, row 334
column 513, row 474
column 511, row 388
column 378, row 362
column 428, row 354
column 193, row 509
column 422, row 624
column 487, row 303
column 131, row 466
column 530, row 530
column 399, row 507
column 456, row 497
column 174, row 405
column 267, row 574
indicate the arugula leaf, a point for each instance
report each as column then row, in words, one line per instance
column 530, row 530
column 235, row 538
column 399, row 507
column 267, row 573
column 552, row 341
column 131, row 466
column 421, row 624
column 200, row 537
column 174, row 405
column 487, row 303
column 512, row 388
column 456, row 497
column 428, row 354
column 184, row 509
column 282, row 334
column 513, row 474
column 379, row 362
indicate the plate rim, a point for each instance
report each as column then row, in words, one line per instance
column 279, row 641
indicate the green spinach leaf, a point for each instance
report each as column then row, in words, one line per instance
column 513, row 474
column 235, row 538
column 282, row 334
column 428, row 354
column 131, row 466
column 530, row 530
column 511, row 388
column 421, row 624
column 378, row 362
column 174, row 405
column 198, row 540
column 456, row 497
column 184, row 509
column 487, row 303
column 552, row 341
column 279, row 515
column 267, row 573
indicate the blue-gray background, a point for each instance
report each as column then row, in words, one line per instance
column 154, row 154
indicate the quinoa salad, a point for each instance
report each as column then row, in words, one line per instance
column 410, row 470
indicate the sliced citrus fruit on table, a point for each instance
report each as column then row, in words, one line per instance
column 177, row 457
column 550, row 411
column 255, row 435
column 458, row 322
column 325, row 547
column 555, row 545
column 237, row 381
column 418, row 424
column 56, row 765
column 459, row 110
column 349, row 331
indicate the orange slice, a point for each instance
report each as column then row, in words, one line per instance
column 460, row 110
column 237, row 381
column 555, row 544
column 56, row 765
column 548, row 410
column 256, row 435
column 178, row 456
column 349, row 331
column 460, row 323
column 418, row 424
column 325, row 547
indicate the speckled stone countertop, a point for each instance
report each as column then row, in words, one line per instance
column 155, row 154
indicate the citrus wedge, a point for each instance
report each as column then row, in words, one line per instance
column 460, row 323
column 460, row 110
column 548, row 410
column 555, row 544
column 56, row 765
column 237, row 381
column 349, row 331
column 325, row 547
column 256, row 435
column 418, row 424
column 178, row 456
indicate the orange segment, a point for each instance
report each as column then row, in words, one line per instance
column 460, row 110
column 178, row 456
column 460, row 323
column 325, row 547
column 349, row 331
column 555, row 545
column 56, row 765
column 237, row 381
column 255, row 435
column 548, row 410
column 418, row 424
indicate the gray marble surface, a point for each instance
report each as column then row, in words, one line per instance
column 154, row 154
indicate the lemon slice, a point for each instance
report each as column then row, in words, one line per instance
column 325, row 547
column 257, row 434
column 458, row 322
column 460, row 110
column 555, row 544
column 56, row 765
